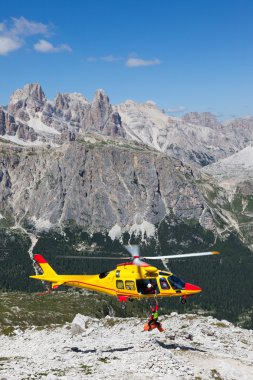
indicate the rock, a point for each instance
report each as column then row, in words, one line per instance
column 79, row 324
column 27, row 101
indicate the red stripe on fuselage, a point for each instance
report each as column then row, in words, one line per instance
column 102, row 287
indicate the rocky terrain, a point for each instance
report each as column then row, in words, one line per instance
column 191, row 348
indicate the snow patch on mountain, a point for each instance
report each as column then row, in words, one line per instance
column 41, row 224
column 38, row 126
column 115, row 232
column 16, row 140
column 144, row 229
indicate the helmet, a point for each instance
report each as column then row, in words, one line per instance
column 149, row 285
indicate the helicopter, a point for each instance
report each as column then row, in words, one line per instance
column 131, row 280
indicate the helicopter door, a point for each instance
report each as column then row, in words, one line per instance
column 147, row 286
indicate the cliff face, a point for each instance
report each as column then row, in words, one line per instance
column 228, row 184
column 99, row 185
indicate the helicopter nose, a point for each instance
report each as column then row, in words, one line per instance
column 195, row 288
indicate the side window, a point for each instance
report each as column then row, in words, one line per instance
column 117, row 273
column 130, row 285
column 120, row 284
column 164, row 284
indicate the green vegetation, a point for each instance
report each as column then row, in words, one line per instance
column 23, row 310
column 215, row 375
column 15, row 263
column 86, row 369
column 100, row 143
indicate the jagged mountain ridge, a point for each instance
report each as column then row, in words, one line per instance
column 197, row 138
column 58, row 120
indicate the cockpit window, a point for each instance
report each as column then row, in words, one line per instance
column 164, row 284
column 176, row 283
column 104, row 274
column 163, row 273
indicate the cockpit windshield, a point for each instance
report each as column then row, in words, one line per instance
column 176, row 283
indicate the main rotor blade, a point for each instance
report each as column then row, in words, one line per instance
column 95, row 257
column 133, row 249
column 181, row 256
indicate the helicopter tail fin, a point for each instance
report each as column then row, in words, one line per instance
column 48, row 273
column 47, row 269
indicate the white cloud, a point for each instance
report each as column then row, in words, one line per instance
column 179, row 109
column 108, row 58
column 9, row 44
column 44, row 46
column 2, row 26
column 138, row 62
column 14, row 32
column 92, row 59
column 23, row 27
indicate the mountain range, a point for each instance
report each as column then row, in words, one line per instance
column 196, row 138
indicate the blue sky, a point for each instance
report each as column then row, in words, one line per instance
column 185, row 55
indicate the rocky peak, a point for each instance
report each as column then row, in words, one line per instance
column 73, row 100
column 27, row 101
column 29, row 91
column 207, row 119
column 100, row 106
column 102, row 118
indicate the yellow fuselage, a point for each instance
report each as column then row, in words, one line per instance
column 127, row 281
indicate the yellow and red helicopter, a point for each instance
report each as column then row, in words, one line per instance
column 135, row 279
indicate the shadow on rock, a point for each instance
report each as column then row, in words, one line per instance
column 119, row 349
column 174, row 346
column 76, row 349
